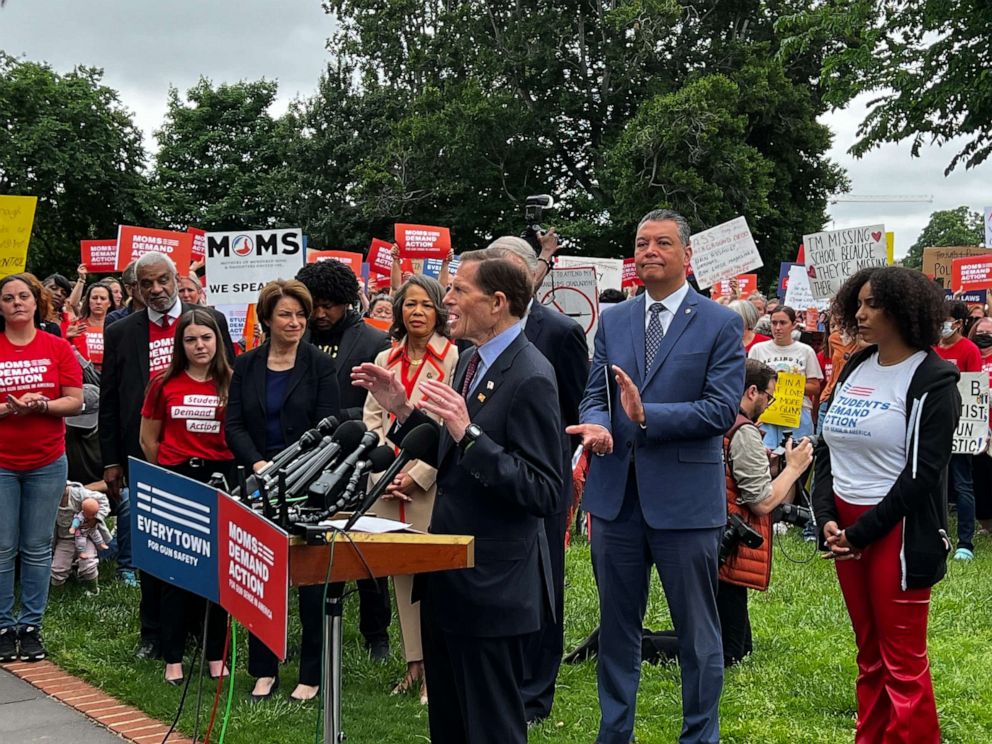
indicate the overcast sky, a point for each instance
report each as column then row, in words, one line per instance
column 144, row 46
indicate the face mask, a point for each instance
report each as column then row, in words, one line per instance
column 947, row 330
column 983, row 340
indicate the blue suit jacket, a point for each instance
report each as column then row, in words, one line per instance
column 691, row 395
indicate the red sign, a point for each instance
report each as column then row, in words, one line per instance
column 971, row 272
column 747, row 284
column 380, row 257
column 382, row 325
column 629, row 277
column 352, row 260
column 134, row 242
column 423, row 241
column 198, row 252
column 253, row 563
column 98, row 256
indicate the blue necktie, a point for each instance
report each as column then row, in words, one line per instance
column 653, row 335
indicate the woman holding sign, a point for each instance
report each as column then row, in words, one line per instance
column 182, row 429
column 880, row 492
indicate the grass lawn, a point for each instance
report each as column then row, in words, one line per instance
column 797, row 687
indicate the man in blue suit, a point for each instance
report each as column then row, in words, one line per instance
column 666, row 379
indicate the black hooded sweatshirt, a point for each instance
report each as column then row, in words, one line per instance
column 918, row 498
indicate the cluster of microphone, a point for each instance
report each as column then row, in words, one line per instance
column 326, row 471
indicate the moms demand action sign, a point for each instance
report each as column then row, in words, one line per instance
column 240, row 263
column 202, row 540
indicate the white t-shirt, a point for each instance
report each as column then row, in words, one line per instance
column 797, row 358
column 866, row 429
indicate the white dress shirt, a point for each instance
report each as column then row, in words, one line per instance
column 672, row 303
column 154, row 316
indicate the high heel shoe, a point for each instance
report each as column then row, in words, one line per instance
column 252, row 697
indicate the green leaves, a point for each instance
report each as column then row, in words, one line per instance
column 959, row 226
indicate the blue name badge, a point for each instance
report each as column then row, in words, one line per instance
column 174, row 528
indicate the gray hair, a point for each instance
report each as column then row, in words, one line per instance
column 435, row 292
column 747, row 311
column 666, row 215
column 512, row 245
column 154, row 258
column 129, row 276
column 757, row 296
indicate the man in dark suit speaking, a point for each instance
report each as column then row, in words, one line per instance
column 666, row 379
column 499, row 474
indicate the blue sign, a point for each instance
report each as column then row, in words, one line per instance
column 432, row 267
column 174, row 528
column 783, row 279
column 971, row 297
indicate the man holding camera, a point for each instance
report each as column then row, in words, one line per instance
column 752, row 496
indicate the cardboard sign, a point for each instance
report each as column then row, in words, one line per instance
column 573, row 293
column 198, row 251
column 380, row 257
column 630, row 278
column 890, row 248
column 798, row 294
column 16, row 220
column 835, row 255
column 352, row 260
column 937, row 262
column 724, row 251
column 240, row 263
column 747, row 284
column 134, row 242
column 98, row 256
column 609, row 271
column 972, row 433
column 422, row 241
column 254, row 573
column 971, row 272
column 787, row 408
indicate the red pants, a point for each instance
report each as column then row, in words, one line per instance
column 895, row 694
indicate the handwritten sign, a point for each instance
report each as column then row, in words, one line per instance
column 630, row 278
column 938, row 261
column 798, row 294
column 971, row 272
column 609, row 271
column 835, row 255
column 98, row 256
column 134, row 242
column 724, row 251
column 423, row 241
column 16, row 220
column 787, row 408
column 972, row 433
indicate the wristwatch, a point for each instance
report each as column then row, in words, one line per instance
column 472, row 434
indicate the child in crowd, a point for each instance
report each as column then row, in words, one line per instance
column 80, row 529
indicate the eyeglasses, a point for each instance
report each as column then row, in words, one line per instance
column 771, row 398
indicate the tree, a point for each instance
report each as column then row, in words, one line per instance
column 926, row 61
column 959, row 226
column 68, row 140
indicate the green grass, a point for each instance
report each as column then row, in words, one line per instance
column 798, row 686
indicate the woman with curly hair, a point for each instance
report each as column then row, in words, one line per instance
column 880, row 492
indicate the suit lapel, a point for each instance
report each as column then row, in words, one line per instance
column 682, row 317
column 637, row 333
column 444, row 444
column 535, row 323
column 258, row 379
column 142, row 342
column 348, row 339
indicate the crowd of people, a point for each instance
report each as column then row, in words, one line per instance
column 677, row 468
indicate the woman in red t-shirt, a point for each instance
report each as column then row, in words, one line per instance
column 182, row 429
column 86, row 333
column 40, row 384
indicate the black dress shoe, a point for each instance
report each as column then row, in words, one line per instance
column 148, row 650
column 252, row 697
column 378, row 649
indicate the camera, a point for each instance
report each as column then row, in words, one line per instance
column 792, row 514
column 534, row 207
column 814, row 439
column 738, row 531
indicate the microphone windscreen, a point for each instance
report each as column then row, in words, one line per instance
column 421, row 442
column 327, row 425
column 381, row 458
column 349, row 434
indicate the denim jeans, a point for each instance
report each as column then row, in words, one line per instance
column 121, row 546
column 29, row 501
column 960, row 482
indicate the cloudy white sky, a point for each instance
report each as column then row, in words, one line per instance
column 144, row 46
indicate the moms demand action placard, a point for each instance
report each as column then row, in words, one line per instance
column 240, row 263
column 202, row 540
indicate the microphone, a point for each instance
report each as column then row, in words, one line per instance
column 417, row 445
column 379, row 459
column 348, row 436
column 328, row 484
column 310, row 438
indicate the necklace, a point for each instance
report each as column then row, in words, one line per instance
column 415, row 362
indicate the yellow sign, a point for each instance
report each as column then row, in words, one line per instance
column 16, row 219
column 890, row 247
column 788, row 406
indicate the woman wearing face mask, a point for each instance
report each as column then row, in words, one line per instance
column 981, row 465
column 962, row 352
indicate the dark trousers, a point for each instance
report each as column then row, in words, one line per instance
column 374, row 609
column 263, row 663
column 150, row 607
column 961, row 483
column 981, row 467
column 180, row 608
column 686, row 560
column 474, row 685
column 735, row 623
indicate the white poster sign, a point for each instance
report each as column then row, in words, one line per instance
column 971, row 435
column 798, row 295
column 609, row 271
column 240, row 263
column 835, row 255
column 723, row 252
column 988, row 227
column 575, row 294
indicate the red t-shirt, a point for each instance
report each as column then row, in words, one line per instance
column 46, row 365
column 963, row 353
column 192, row 419
column 758, row 338
column 160, row 342
column 90, row 344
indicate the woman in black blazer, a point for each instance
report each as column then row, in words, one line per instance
column 279, row 391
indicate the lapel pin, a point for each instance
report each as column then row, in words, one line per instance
column 687, row 311
column 482, row 398
column 489, row 385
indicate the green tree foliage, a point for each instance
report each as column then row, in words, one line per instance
column 928, row 64
column 68, row 140
column 960, row 226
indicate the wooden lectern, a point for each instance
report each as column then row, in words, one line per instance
column 390, row 554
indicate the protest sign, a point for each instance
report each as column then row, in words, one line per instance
column 972, row 433
column 890, row 248
column 630, row 278
column 787, row 408
column 98, row 256
column 783, row 278
column 833, row 256
column 573, row 292
column 198, row 251
column 971, row 272
column 240, row 263
column 236, row 316
column 747, row 284
column 937, row 261
column 798, row 295
column 422, row 241
column 380, row 257
column 609, row 271
column 724, row 251
column 134, row 242
column 988, row 227
column 352, row 260
column 16, row 220
column 971, row 297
